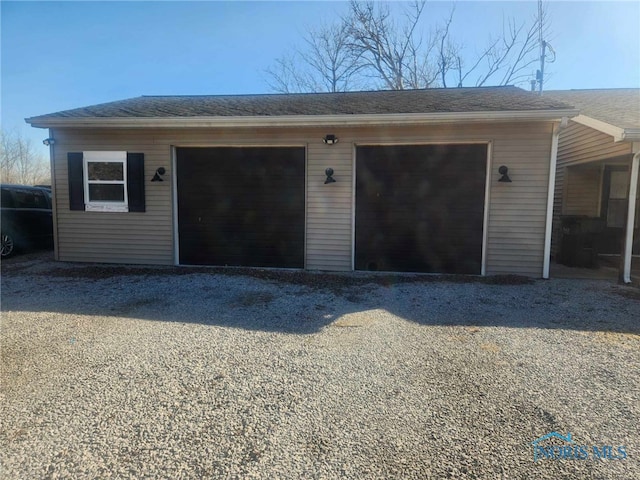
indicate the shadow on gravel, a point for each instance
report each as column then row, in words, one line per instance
column 299, row 302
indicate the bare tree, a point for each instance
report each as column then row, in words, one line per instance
column 326, row 64
column 422, row 72
column 331, row 60
column 448, row 52
column 507, row 57
column 392, row 52
column 287, row 76
column 369, row 47
column 19, row 163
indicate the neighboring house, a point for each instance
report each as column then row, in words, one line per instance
column 389, row 180
column 595, row 158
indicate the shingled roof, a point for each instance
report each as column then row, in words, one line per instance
column 428, row 101
column 619, row 107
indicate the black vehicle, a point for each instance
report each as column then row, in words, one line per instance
column 27, row 220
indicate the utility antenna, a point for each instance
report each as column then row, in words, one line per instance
column 543, row 50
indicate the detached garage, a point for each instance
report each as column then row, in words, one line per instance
column 437, row 181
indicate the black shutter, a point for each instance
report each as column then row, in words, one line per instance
column 135, row 181
column 76, row 184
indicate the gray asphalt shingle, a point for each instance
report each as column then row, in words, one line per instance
column 616, row 106
column 490, row 99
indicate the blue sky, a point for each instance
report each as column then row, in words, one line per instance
column 60, row 55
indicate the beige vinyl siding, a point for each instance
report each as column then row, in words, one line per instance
column 557, row 207
column 516, row 212
column 579, row 144
column 329, row 207
column 135, row 237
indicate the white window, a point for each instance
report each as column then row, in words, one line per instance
column 105, row 181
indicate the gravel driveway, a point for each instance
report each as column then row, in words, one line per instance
column 200, row 373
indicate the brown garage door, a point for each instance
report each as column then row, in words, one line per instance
column 420, row 208
column 241, row 206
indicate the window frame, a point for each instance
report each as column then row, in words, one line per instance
column 622, row 202
column 105, row 157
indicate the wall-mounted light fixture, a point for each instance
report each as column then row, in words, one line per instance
column 329, row 173
column 330, row 139
column 158, row 176
column 503, row 170
column 48, row 141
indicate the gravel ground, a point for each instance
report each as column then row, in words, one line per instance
column 115, row 372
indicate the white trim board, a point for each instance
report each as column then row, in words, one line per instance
column 548, row 230
column 485, row 213
column 174, row 205
column 303, row 120
column 354, row 149
column 631, row 211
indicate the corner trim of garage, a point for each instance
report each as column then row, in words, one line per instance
column 174, row 205
column 553, row 160
column 353, row 206
column 487, row 201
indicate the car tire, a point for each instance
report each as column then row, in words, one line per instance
column 7, row 245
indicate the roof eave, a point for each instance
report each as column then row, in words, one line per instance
column 619, row 134
column 631, row 135
column 300, row 120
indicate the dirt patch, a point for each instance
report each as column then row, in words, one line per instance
column 326, row 281
column 490, row 347
column 353, row 321
column 42, row 263
column 632, row 293
column 619, row 339
column 26, row 261
column 130, row 306
column 251, row 299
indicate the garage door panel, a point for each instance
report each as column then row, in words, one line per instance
column 428, row 216
column 241, row 206
column 420, row 208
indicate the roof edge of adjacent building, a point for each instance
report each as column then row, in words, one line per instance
column 619, row 134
